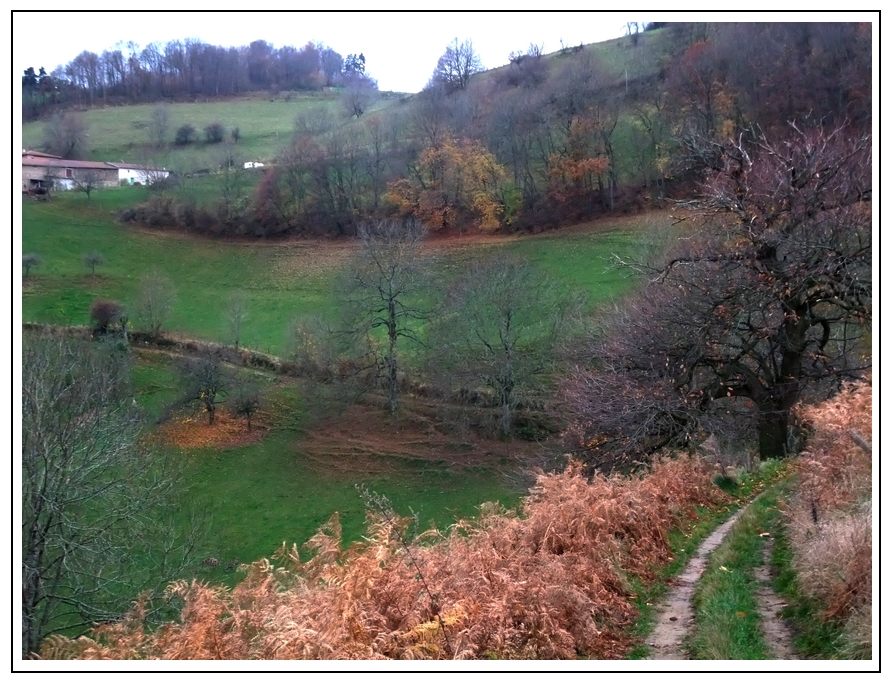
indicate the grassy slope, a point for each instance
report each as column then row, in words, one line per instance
column 265, row 124
column 281, row 280
column 253, row 497
column 266, row 121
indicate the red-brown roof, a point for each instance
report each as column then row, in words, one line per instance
column 67, row 163
column 35, row 153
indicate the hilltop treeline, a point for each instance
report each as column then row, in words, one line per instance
column 182, row 69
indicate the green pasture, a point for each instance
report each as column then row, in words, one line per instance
column 280, row 280
column 265, row 122
column 252, row 498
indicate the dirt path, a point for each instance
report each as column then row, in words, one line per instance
column 676, row 610
column 776, row 633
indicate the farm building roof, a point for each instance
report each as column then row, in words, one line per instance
column 35, row 153
column 66, row 163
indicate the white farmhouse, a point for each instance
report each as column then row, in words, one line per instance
column 137, row 174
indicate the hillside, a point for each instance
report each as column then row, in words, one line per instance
column 266, row 121
column 479, row 370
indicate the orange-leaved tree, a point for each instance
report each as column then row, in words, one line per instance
column 579, row 168
column 454, row 183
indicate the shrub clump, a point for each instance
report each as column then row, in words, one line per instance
column 185, row 135
column 214, row 133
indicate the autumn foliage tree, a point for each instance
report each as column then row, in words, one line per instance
column 454, row 183
column 764, row 305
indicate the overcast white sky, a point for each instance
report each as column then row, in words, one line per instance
column 401, row 47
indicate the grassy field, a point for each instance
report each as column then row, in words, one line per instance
column 281, row 280
column 265, row 125
column 252, row 497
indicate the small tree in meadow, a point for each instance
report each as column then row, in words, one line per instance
column 214, row 133
column 30, row 261
column 237, row 313
column 154, row 301
column 92, row 260
column 245, row 403
column 185, row 135
column 204, row 380
column 105, row 315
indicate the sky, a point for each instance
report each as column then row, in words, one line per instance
column 401, row 48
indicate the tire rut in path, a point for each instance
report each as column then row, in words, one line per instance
column 675, row 613
column 775, row 631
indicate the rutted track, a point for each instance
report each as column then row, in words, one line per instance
column 675, row 614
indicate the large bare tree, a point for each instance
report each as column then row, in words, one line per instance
column 767, row 303
column 383, row 289
column 456, row 66
column 502, row 321
column 93, row 503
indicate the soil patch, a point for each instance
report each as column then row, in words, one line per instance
column 363, row 439
column 193, row 431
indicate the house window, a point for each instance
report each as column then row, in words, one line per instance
column 68, row 173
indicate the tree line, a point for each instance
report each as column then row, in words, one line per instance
column 183, row 69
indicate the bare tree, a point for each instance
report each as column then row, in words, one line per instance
column 237, row 313
column 155, row 299
column 30, row 261
column 245, row 402
column 94, row 506
column 382, row 289
column 92, row 260
column 456, row 66
column 87, row 181
column 233, row 198
column 763, row 307
column 159, row 123
column 359, row 92
column 65, row 135
column 502, row 321
column 204, row 380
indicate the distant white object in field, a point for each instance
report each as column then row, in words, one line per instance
column 253, row 164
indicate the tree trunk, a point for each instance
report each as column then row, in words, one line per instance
column 391, row 360
column 773, row 429
column 506, row 417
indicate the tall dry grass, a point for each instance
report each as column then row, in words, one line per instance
column 829, row 521
column 551, row 582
